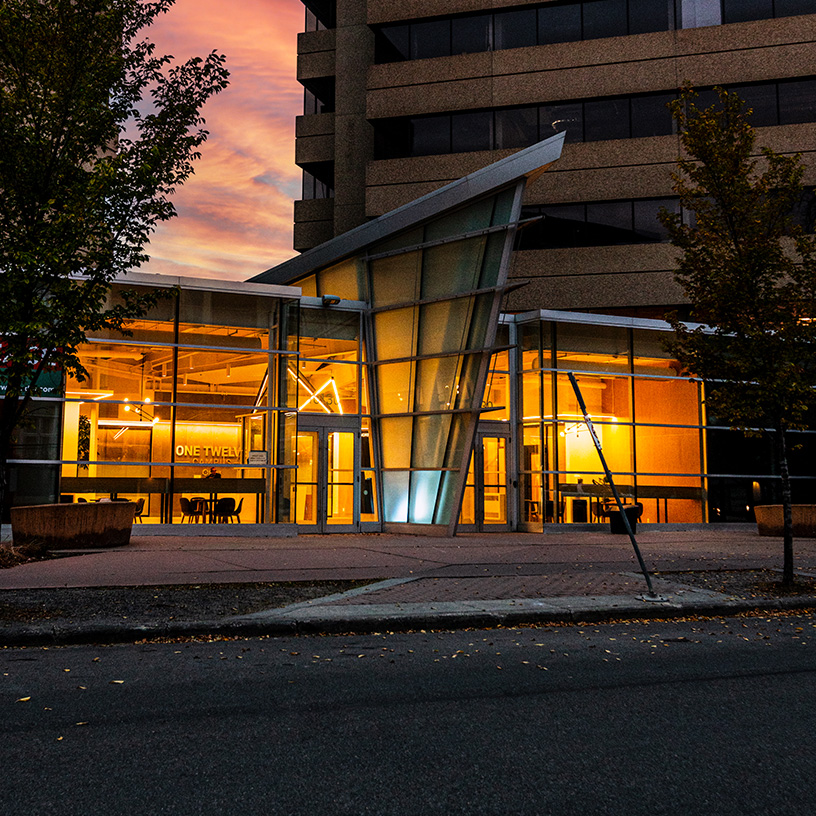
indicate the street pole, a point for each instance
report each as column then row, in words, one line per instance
column 651, row 595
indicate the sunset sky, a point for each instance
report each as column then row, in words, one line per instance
column 235, row 215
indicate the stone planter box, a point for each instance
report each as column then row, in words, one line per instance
column 73, row 526
column 769, row 520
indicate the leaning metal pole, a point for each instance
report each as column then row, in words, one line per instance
column 608, row 473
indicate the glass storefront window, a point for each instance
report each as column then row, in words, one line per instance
column 651, row 356
column 497, row 396
column 592, row 348
column 326, row 387
column 218, row 378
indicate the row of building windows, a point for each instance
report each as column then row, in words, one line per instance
column 566, row 22
column 600, row 223
column 610, row 223
column 774, row 103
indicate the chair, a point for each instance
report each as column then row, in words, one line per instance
column 137, row 516
column 236, row 513
column 223, row 509
column 191, row 509
column 80, row 500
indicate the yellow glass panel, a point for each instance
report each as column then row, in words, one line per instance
column 394, row 381
column 305, row 484
column 497, row 396
column 395, row 333
column 340, row 280
column 395, row 279
column 468, row 512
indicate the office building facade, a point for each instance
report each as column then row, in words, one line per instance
column 401, row 98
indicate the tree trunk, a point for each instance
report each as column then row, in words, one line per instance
column 9, row 416
column 787, row 508
column 5, row 453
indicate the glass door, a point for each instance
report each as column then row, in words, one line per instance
column 327, row 480
column 494, row 481
column 306, row 484
column 341, row 448
column 485, row 506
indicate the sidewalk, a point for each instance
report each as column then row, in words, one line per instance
column 414, row 582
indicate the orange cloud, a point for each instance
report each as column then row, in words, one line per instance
column 235, row 214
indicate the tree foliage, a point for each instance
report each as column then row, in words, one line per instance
column 748, row 269
column 96, row 132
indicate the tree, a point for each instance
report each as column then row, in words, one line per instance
column 749, row 272
column 96, row 132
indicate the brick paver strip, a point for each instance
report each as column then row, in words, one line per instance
column 503, row 587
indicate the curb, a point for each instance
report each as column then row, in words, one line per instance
column 288, row 625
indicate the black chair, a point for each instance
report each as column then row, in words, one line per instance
column 236, row 513
column 140, row 503
column 223, row 509
column 191, row 509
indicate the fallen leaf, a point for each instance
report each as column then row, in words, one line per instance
column 116, row 682
column 23, row 699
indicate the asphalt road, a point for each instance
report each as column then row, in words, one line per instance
column 711, row 718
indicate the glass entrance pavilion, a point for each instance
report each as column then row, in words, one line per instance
column 373, row 384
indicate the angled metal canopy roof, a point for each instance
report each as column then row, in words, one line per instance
column 529, row 163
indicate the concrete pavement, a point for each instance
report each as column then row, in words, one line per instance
column 564, row 574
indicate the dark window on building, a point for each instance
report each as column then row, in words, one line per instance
column 797, row 101
column 606, row 223
column 762, row 100
column 646, row 223
column 605, row 18
column 650, row 15
column 804, row 213
column 650, row 116
column 609, row 223
column 392, row 138
column 569, row 22
column 430, row 135
column 430, row 39
column 320, row 184
column 515, row 29
column 606, row 119
column 320, row 14
column 319, row 97
column 588, row 121
column 559, row 118
column 392, row 44
column 559, row 24
column 738, row 11
column 471, row 131
column 516, row 127
column 698, row 13
column 470, row 35
column 561, row 226
column 790, row 8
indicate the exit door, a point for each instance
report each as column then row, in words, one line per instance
column 327, row 484
column 485, row 504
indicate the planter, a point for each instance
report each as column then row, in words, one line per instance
column 769, row 520
column 633, row 513
column 73, row 526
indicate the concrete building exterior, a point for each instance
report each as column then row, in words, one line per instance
column 402, row 98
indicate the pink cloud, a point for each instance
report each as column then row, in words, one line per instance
column 235, row 214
